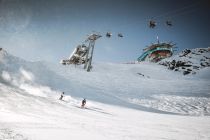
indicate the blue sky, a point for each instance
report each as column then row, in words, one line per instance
column 49, row 30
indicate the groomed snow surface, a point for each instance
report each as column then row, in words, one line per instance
column 124, row 102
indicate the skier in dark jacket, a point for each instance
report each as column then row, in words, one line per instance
column 83, row 103
column 61, row 96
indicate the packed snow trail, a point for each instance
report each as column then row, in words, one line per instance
column 40, row 118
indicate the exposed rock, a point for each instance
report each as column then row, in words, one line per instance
column 189, row 70
column 202, row 64
column 193, row 72
column 196, row 59
column 196, row 53
column 140, row 74
column 185, row 52
column 202, row 50
column 186, row 72
column 206, row 57
column 196, row 67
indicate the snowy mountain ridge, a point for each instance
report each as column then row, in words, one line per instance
column 189, row 61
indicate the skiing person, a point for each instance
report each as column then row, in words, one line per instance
column 61, row 96
column 83, row 103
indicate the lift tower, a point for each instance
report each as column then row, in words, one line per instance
column 89, row 56
column 83, row 54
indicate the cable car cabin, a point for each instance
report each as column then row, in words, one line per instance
column 120, row 35
column 108, row 34
column 168, row 23
column 152, row 24
column 156, row 52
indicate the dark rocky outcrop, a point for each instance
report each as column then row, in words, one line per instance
column 189, row 61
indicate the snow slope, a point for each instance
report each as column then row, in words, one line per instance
column 143, row 101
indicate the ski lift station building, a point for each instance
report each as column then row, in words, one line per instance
column 156, row 52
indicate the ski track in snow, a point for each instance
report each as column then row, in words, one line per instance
column 6, row 134
column 177, row 104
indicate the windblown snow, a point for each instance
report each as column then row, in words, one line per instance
column 124, row 101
